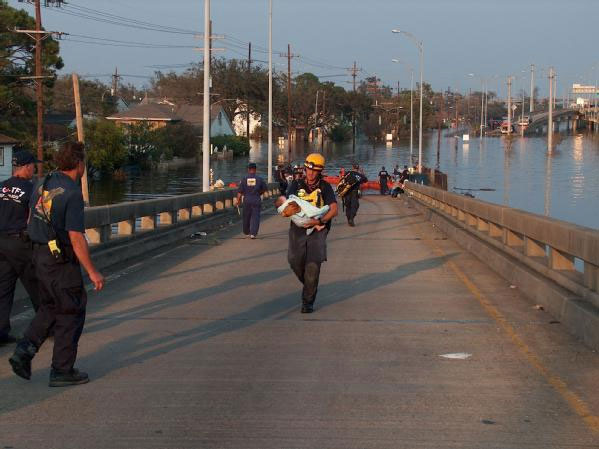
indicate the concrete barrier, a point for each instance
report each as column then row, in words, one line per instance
column 119, row 232
column 554, row 262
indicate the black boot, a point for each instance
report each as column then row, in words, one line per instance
column 351, row 222
column 307, row 308
column 73, row 377
column 21, row 359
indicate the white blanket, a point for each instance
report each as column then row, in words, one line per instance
column 307, row 212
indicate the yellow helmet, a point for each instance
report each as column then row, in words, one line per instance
column 315, row 161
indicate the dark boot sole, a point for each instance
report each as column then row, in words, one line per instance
column 67, row 383
column 18, row 369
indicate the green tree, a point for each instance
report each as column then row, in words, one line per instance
column 95, row 96
column 178, row 140
column 143, row 143
column 105, row 145
column 17, row 100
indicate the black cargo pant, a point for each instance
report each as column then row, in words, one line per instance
column 15, row 263
column 383, row 186
column 305, row 255
column 351, row 201
column 63, row 303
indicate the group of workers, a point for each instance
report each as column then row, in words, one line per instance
column 42, row 243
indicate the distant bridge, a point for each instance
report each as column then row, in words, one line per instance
column 539, row 120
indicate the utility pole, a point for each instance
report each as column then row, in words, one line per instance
column 324, row 97
column 39, row 87
column 398, row 108
column 269, row 91
column 288, row 55
column 247, row 102
column 80, row 136
column 354, row 73
column 550, row 116
column 555, row 89
column 206, row 111
column 509, row 105
column 39, row 35
column 532, row 88
column 115, row 82
column 455, row 96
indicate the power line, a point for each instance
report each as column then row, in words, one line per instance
column 127, row 45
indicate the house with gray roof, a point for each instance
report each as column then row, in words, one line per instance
column 162, row 114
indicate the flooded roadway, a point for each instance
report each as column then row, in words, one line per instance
column 521, row 173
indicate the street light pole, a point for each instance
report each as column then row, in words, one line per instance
column 482, row 106
column 509, row 105
column 550, row 116
column 532, row 88
column 411, row 106
column 411, row 114
column 269, row 91
column 421, row 102
column 206, row 124
column 421, row 54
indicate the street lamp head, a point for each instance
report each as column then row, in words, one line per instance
column 395, row 60
column 396, row 31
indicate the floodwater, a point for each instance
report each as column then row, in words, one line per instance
column 521, row 172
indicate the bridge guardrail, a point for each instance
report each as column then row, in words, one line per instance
column 547, row 245
column 107, row 223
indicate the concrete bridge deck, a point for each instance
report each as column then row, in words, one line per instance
column 203, row 346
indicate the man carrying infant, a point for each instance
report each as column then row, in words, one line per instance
column 311, row 204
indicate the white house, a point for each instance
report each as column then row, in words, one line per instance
column 240, row 120
column 6, row 146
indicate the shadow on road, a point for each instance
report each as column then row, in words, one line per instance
column 143, row 346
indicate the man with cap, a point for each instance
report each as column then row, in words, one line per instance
column 251, row 189
column 15, row 246
column 306, row 251
column 57, row 229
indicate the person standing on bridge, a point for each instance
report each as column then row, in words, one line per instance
column 383, row 179
column 351, row 200
column 15, row 246
column 251, row 189
column 57, row 230
column 306, row 253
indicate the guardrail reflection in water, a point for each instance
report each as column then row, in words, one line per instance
column 107, row 223
column 546, row 245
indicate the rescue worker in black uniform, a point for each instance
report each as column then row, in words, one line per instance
column 383, row 178
column 351, row 200
column 281, row 177
column 56, row 228
column 15, row 246
column 403, row 177
column 251, row 188
column 307, row 252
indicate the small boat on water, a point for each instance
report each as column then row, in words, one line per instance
column 505, row 128
column 524, row 122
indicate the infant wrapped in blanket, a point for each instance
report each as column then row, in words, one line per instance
column 300, row 211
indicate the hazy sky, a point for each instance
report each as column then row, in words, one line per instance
column 485, row 37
